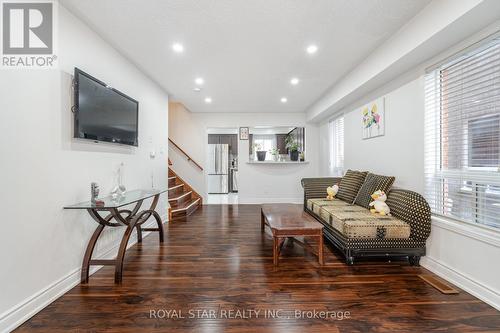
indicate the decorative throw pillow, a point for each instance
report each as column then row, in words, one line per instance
column 350, row 184
column 373, row 183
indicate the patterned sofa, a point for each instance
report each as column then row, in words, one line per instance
column 357, row 232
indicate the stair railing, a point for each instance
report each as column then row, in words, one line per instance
column 185, row 154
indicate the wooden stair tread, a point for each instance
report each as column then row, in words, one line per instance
column 185, row 206
column 180, row 196
column 183, row 199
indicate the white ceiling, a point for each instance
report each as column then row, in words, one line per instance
column 246, row 50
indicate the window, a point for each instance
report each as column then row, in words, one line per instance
column 266, row 143
column 462, row 136
column 336, row 129
column 484, row 138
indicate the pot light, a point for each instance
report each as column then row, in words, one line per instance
column 199, row 81
column 208, row 100
column 196, row 89
column 311, row 49
column 177, row 47
column 294, row 81
column 284, row 99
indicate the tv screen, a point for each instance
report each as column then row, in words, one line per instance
column 103, row 113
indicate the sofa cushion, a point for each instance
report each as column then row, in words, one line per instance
column 315, row 205
column 372, row 183
column 350, row 184
column 356, row 222
column 316, row 187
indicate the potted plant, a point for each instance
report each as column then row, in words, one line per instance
column 276, row 154
column 261, row 154
column 293, row 148
column 294, row 151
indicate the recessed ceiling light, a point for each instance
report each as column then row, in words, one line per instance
column 311, row 49
column 294, row 81
column 197, row 89
column 208, row 100
column 177, row 47
column 199, row 81
column 284, row 100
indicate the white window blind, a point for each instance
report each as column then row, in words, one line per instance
column 462, row 136
column 336, row 129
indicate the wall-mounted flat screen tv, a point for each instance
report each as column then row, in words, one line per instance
column 103, row 113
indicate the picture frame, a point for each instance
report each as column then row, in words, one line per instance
column 244, row 133
column 373, row 119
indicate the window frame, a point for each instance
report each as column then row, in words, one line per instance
column 481, row 179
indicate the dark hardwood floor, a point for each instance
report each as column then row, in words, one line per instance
column 218, row 260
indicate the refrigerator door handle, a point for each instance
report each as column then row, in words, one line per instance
column 219, row 166
column 216, row 159
column 216, row 152
column 219, row 159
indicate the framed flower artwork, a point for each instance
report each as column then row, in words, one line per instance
column 374, row 118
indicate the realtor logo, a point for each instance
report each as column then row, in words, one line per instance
column 28, row 34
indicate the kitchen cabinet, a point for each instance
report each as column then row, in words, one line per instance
column 234, row 144
column 213, row 139
column 225, row 139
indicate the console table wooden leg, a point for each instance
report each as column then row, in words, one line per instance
column 139, row 234
column 160, row 225
column 88, row 253
column 320, row 249
column 146, row 214
column 262, row 221
column 121, row 251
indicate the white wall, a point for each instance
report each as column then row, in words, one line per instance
column 467, row 256
column 257, row 183
column 400, row 151
column 43, row 169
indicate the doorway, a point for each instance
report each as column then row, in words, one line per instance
column 222, row 166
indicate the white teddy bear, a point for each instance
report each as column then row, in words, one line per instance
column 379, row 205
column 332, row 192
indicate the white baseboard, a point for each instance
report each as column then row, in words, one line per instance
column 18, row 314
column 462, row 281
column 258, row 201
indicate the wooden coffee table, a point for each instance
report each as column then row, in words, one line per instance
column 290, row 221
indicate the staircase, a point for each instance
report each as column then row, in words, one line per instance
column 183, row 200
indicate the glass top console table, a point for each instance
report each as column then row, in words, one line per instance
column 116, row 217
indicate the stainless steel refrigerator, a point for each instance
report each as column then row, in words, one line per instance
column 218, row 168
